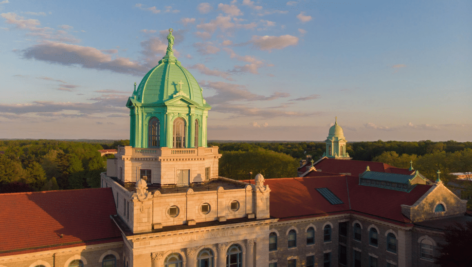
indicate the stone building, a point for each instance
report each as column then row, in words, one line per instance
column 162, row 202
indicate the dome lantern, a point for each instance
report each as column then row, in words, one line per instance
column 336, row 143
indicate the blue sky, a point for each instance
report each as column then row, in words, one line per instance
column 272, row 70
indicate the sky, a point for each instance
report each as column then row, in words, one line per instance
column 271, row 70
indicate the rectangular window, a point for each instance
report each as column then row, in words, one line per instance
column 327, row 259
column 373, row 262
column 342, row 255
column 273, row 264
column 292, row 263
column 183, row 177
column 343, row 229
column 145, row 173
column 310, row 236
column 427, row 252
column 207, row 174
column 310, row 261
column 357, row 258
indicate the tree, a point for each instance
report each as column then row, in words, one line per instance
column 238, row 164
column 50, row 185
column 455, row 252
column 36, row 176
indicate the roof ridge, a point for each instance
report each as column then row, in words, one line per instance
column 49, row 191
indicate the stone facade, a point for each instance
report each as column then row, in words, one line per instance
column 91, row 255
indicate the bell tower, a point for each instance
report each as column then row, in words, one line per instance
column 336, row 143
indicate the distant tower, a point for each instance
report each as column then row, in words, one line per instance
column 336, row 143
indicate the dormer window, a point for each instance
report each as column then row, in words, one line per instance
column 440, row 208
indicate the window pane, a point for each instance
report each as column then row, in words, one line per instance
column 342, row 255
column 310, row 236
column 357, row 259
column 327, row 260
column 327, row 233
column 310, row 261
column 272, row 242
column 273, row 264
column 292, row 263
column 373, row 262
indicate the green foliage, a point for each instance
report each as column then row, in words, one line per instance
column 271, row 164
column 49, row 165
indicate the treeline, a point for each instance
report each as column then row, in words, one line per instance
column 32, row 165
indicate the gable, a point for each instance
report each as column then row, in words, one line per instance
column 424, row 208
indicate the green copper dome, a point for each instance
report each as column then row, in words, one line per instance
column 336, row 130
column 166, row 80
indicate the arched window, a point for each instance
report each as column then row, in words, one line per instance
column 234, row 256
column 196, row 133
column 357, row 232
column 310, row 236
column 439, row 208
column 179, row 133
column 272, row 242
column 327, row 233
column 173, row 260
column 153, row 132
column 39, row 266
column 206, row 258
column 391, row 243
column 427, row 249
column 373, row 237
column 109, row 261
column 292, row 239
column 76, row 263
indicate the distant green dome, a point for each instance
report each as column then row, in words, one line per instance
column 336, row 130
column 166, row 80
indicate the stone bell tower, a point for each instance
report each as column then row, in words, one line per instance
column 168, row 129
column 336, row 143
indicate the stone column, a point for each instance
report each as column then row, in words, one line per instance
column 156, row 259
column 250, row 253
column 170, row 130
column 191, row 257
column 221, row 255
column 192, row 131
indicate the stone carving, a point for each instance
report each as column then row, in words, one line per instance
column 141, row 189
column 157, row 255
column 191, row 252
column 260, row 184
column 170, row 39
column 250, row 244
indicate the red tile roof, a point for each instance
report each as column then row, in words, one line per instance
column 35, row 220
column 295, row 198
column 354, row 167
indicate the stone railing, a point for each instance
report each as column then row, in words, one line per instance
column 166, row 152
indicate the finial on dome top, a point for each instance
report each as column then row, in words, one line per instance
column 367, row 169
column 135, row 86
column 336, row 120
column 170, row 39
column 411, row 166
column 438, row 180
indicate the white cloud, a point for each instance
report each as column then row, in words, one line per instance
column 252, row 67
column 227, row 42
column 224, row 23
column 268, row 23
column 204, row 8
column 152, row 9
column 231, row 10
column 50, row 79
column 398, row 66
column 273, row 42
column 291, row 3
column 4, row 2
column 148, row 31
column 186, row 21
column 34, row 29
column 203, row 35
column 270, row 12
column 66, row 27
column 305, row 98
column 207, row 71
column 35, row 13
column 228, row 92
column 303, row 18
column 251, row 4
column 170, row 10
column 302, row 32
column 255, row 125
column 206, row 48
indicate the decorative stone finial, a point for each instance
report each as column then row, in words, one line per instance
column 438, row 180
column 367, row 169
column 336, row 120
column 135, row 86
column 170, row 39
column 312, row 162
column 141, row 188
column 411, row 166
column 260, row 183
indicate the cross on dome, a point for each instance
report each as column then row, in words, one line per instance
column 180, row 83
